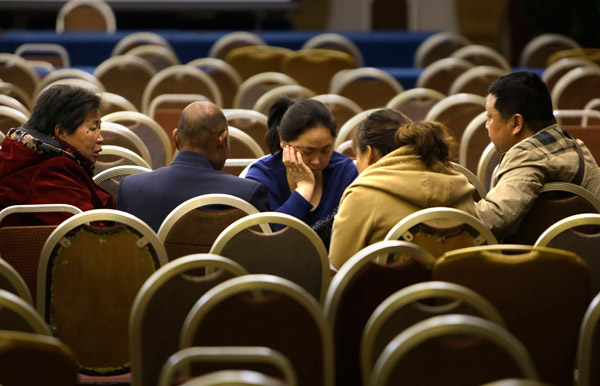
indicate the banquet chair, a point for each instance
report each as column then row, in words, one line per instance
column 368, row 87
column 67, row 73
column 12, row 281
column 125, row 75
column 556, row 201
column 16, row 70
column 115, row 134
column 88, row 277
column 341, row 107
column 191, row 229
column 481, row 55
column 488, row 165
column 17, row 314
column 276, row 313
column 292, row 91
column 438, row 46
column 161, row 306
column 579, row 234
column 294, row 252
column 35, row 359
column 85, row 15
column 539, row 49
column 337, row 42
column 11, row 118
column 556, row 70
column 480, row 191
column 416, row 102
column 225, row 76
column 111, row 103
column 413, row 304
column 439, row 230
column 540, row 292
column 315, row 67
column 93, row 87
column 577, row 120
column 588, row 373
column 576, row 88
column 136, row 39
column 439, row 75
column 20, row 246
column 113, row 156
column 52, row 53
column 14, row 103
column 16, row 92
column 346, row 132
column 256, row 59
column 160, row 57
column 109, row 179
column 476, row 80
column 227, row 357
column 473, row 142
column 254, row 87
column 223, row 45
column 452, row 350
column 359, row 286
column 250, row 122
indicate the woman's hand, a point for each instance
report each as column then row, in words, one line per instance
column 299, row 172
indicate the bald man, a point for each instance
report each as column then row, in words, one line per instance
column 202, row 139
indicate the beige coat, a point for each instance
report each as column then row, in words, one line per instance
column 394, row 187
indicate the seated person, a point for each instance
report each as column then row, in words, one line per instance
column 202, row 138
column 521, row 125
column 304, row 177
column 404, row 167
column 50, row 159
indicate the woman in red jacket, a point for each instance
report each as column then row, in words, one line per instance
column 50, row 159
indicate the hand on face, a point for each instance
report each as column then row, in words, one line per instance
column 296, row 168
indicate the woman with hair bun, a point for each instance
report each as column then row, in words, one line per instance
column 404, row 167
column 304, row 177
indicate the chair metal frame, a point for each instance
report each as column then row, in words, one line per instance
column 346, row 132
column 14, row 114
column 473, row 180
column 266, row 100
column 431, row 42
column 590, row 323
column 323, row 39
column 566, row 80
column 417, row 92
column 365, row 72
column 118, row 100
column 441, row 65
column 125, row 170
column 541, row 40
column 68, row 73
column 229, row 38
column 125, row 44
column 119, row 130
column 102, row 7
column 25, row 310
column 59, row 50
column 473, row 73
column 14, row 103
column 451, row 101
column 477, row 49
column 258, row 79
column 125, row 153
column 253, row 146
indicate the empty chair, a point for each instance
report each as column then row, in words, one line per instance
column 250, row 122
column 580, row 119
column 539, row 49
column 125, row 75
column 368, row 87
column 295, row 252
column 162, row 304
column 313, row 68
column 105, row 267
column 473, row 142
column 112, row 103
column 109, row 179
column 335, row 41
column 225, row 76
column 416, row 102
column 116, row 134
column 441, row 229
column 576, row 88
column 481, row 55
column 292, row 91
column 11, row 118
column 441, row 74
column 222, row 46
column 255, row 86
column 252, row 60
column 14, row 103
column 67, row 73
column 275, row 314
column 11, row 281
column 356, row 290
column 452, row 350
column 556, row 70
column 406, row 307
column 85, row 15
column 17, row 314
column 191, row 229
column 16, row 92
column 589, row 341
column 476, row 80
column 93, row 87
column 16, row 70
column 557, row 284
column 341, row 107
column 438, row 46
column 160, row 57
column 135, row 39
column 242, row 145
column 21, row 352
column 112, row 156
column 52, row 53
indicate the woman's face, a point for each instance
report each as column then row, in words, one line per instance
column 316, row 147
column 86, row 138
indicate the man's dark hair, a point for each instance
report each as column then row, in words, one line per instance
column 526, row 94
column 62, row 105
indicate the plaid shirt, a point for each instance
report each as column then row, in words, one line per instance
column 550, row 155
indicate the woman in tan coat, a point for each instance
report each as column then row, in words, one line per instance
column 404, row 167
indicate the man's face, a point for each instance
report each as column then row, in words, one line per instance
column 499, row 131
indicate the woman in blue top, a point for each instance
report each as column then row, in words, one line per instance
column 304, row 177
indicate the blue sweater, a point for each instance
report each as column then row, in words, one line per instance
column 337, row 175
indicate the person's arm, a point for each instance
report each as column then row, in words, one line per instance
column 258, row 198
column 352, row 227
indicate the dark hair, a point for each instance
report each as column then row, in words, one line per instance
column 526, row 94
column 431, row 140
column 378, row 131
column 290, row 120
column 63, row 105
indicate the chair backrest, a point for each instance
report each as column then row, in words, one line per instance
column 85, row 15
column 109, row 179
column 52, row 53
column 105, row 267
column 415, row 102
column 190, row 229
column 438, row 46
column 440, row 74
column 481, row 55
column 442, row 229
column 162, row 304
column 213, row 358
column 292, row 91
column 11, row 118
column 35, row 359
column 16, row 70
column 67, row 73
column 335, row 41
column 225, row 76
column 539, row 291
column 12, row 281
column 14, row 103
column 452, row 350
column 539, row 49
column 256, row 59
column 181, row 79
column 346, row 132
column 356, row 290
column 159, row 57
column 276, row 313
column 234, row 377
column 112, row 156
column 112, row 103
column 588, row 350
column 14, row 91
column 368, row 87
column 556, row 201
column 116, row 134
column 136, row 39
column 126, row 75
column 250, row 122
column 577, row 119
column 295, row 252
column 480, row 191
column 242, row 145
column 579, row 234
column 488, row 165
column 476, row 80
column 413, row 304
column 341, row 107
column 21, row 246
column 255, row 86
column 315, row 67
column 556, row 70
column 473, row 142
column 223, row 45
column 576, row 88
column 16, row 314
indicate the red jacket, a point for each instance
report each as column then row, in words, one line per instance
column 28, row 177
